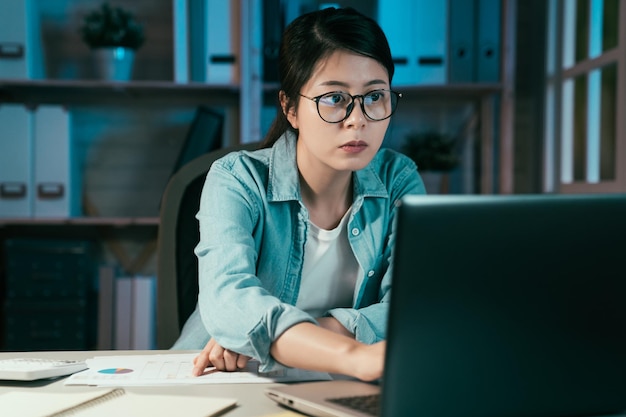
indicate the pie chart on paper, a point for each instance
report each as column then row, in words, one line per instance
column 115, row 371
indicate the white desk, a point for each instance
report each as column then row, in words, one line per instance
column 252, row 401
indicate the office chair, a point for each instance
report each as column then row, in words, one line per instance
column 177, row 265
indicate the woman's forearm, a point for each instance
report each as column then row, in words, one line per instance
column 308, row 346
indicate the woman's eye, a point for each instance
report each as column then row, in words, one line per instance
column 374, row 97
column 333, row 99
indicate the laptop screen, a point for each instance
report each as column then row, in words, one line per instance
column 508, row 306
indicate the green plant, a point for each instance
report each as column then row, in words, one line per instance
column 431, row 151
column 110, row 26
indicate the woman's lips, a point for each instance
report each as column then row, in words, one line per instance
column 354, row 146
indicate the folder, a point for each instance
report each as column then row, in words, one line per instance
column 430, row 34
column 222, row 41
column 57, row 190
column 123, row 312
column 16, row 180
column 462, row 41
column 21, row 53
column 143, row 334
column 181, row 40
column 488, row 40
column 106, row 302
column 397, row 21
column 197, row 40
column 417, row 31
column 273, row 26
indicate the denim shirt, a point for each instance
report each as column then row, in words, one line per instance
column 253, row 227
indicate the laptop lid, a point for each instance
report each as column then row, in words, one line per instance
column 508, row 306
column 501, row 306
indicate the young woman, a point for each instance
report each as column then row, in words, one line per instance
column 296, row 238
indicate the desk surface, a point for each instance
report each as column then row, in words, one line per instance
column 251, row 399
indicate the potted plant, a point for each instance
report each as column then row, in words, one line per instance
column 114, row 34
column 435, row 155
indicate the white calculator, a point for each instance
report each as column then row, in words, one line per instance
column 29, row 369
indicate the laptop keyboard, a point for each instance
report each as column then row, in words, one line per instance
column 368, row 404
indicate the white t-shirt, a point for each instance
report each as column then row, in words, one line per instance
column 330, row 270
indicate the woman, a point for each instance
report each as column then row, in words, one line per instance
column 296, row 238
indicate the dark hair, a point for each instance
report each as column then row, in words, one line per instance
column 317, row 35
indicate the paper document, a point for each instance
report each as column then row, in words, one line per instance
column 168, row 369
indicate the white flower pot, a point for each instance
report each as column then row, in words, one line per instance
column 115, row 63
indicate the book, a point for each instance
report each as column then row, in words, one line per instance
column 105, row 403
column 143, row 333
column 123, row 313
column 16, row 147
column 106, row 303
column 56, row 166
column 21, row 44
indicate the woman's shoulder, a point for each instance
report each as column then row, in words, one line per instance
column 244, row 157
column 387, row 159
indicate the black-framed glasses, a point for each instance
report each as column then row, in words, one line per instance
column 336, row 106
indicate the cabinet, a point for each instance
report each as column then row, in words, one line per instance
column 148, row 116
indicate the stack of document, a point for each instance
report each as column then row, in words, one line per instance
column 168, row 369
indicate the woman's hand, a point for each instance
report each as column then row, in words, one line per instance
column 222, row 359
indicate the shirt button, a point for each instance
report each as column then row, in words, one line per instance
column 370, row 273
column 355, row 232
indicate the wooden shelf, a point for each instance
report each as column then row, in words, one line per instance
column 448, row 91
column 93, row 92
column 82, row 221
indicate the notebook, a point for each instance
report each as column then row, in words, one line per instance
column 500, row 306
column 110, row 402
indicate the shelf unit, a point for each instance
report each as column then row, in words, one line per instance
column 244, row 99
column 492, row 123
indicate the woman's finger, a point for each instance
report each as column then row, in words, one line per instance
column 242, row 361
column 216, row 357
column 202, row 361
column 230, row 360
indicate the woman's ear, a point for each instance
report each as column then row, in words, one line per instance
column 289, row 112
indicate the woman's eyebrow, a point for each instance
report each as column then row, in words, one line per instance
column 343, row 84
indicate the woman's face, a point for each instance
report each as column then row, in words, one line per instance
column 351, row 144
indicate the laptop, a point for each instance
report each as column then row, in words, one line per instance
column 500, row 306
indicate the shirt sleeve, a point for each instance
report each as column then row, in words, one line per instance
column 236, row 309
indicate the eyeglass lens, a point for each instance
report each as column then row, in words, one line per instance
column 337, row 106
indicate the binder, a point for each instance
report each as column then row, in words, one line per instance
column 397, row 20
column 16, row 180
column 106, row 302
column 222, row 41
column 181, row 40
column 273, row 26
column 462, row 41
column 21, row 53
column 56, row 170
column 123, row 312
column 197, row 40
column 143, row 334
column 430, row 34
column 488, row 40
column 417, row 31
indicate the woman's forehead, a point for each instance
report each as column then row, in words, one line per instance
column 345, row 67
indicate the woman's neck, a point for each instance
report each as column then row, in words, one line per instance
column 326, row 196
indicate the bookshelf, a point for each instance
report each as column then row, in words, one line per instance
column 147, row 118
